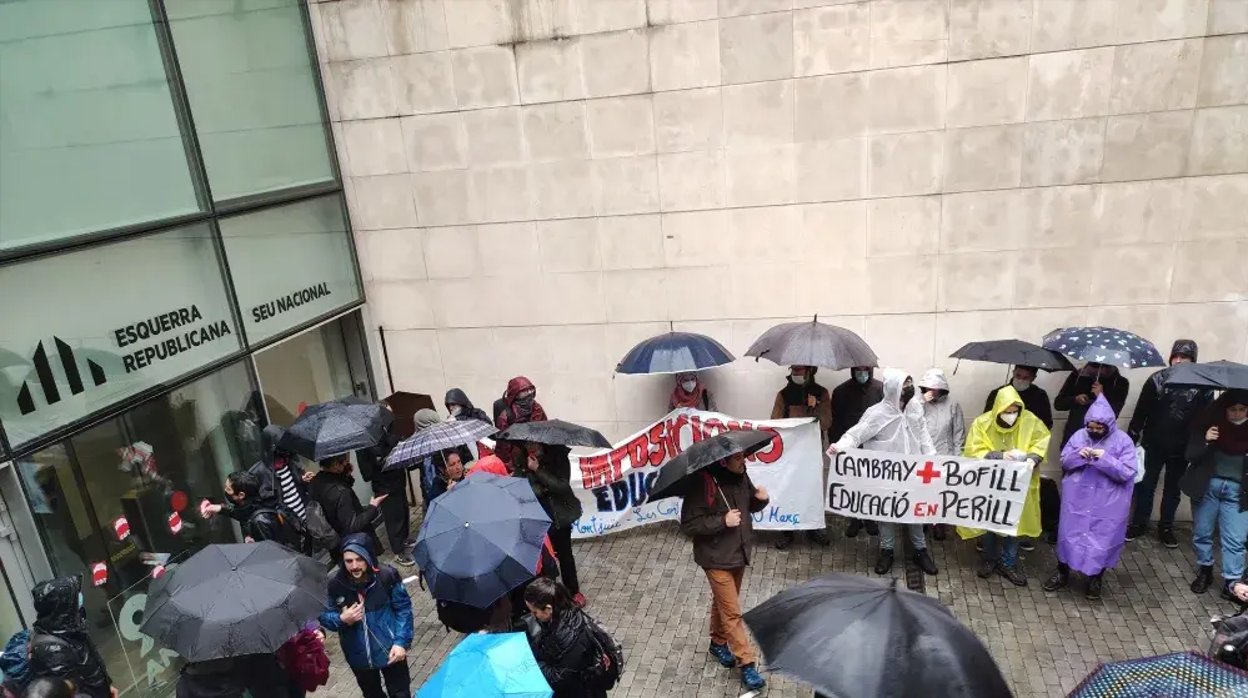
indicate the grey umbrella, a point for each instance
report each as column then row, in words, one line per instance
column 813, row 344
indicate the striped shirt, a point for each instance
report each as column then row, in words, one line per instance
column 288, row 490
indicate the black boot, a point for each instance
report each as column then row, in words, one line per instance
column 855, row 525
column 1203, row 580
column 1094, row 586
column 819, row 538
column 786, row 539
column 873, row 529
column 1058, row 580
column 884, row 563
column 1165, row 534
column 924, row 560
column 1226, row 590
column 938, row 532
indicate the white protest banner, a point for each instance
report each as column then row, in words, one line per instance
column 614, row 484
column 900, row 488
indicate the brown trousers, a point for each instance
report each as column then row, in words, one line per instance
column 727, row 628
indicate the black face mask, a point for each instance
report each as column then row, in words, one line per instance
column 1096, row 434
column 906, row 395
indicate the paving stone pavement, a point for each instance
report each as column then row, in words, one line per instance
column 642, row 584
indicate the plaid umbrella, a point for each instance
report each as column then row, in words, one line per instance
column 438, row 437
column 1179, row 675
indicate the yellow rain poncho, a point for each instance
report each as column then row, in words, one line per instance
column 1028, row 435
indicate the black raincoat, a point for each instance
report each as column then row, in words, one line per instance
column 564, row 649
column 261, row 674
column 1163, row 415
column 455, row 396
column 60, row 647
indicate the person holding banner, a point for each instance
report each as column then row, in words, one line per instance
column 945, row 422
column 1099, row 466
column 850, row 401
column 716, row 515
column 1008, row 432
column 803, row 397
column 895, row 425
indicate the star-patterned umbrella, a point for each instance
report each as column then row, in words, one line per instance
column 1105, row 345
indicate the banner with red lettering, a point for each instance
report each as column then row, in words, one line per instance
column 983, row 494
column 614, row 484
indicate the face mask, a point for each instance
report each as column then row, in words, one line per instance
column 907, row 395
column 689, row 386
column 1020, row 385
column 1238, row 422
column 455, row 410
column 798, row 380
column 1096, row 433
column 862, row 377
column 1009, row 418
column 525, row 402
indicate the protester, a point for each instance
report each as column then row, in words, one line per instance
column 370, row 610
column 894, row 425
column 49, row 688
column 562, row 641
column 282, row 476
column 459, row 407
column 252, row 675
column 449, row 473
column 392, row 485
column 520, row 406
column 1218, row 452
column 690, row 391
column 716, row 515
column 849, row 401
column 260, row 518
column 549, row 470
column 802, row 397
column 945, row 422
column 1035, row 398
column 331, row 488
column 1008, row 432
column 423, row 419
column 60, row 645
column 1099, row 466
column 1080, row 391
column 1161, row 424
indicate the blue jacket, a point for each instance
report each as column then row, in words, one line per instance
column 387, row 610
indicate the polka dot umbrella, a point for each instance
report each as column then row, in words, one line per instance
column 1105, row 345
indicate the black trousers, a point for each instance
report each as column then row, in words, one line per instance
column 398, row 681
column 1174, row 468
column 394, row 511
column 561, row 539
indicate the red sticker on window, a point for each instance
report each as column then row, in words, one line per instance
column 99, row 574
column 175, row 523
column 121, row 528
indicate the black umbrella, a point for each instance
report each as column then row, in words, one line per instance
column 1014, row 352
column 1104, row 345
column 1219, row 375
column 481, row 539
column 849, row 635
column 333, row 428
column 813, row 344
column 231, row 600
column 671, row 479
column 554, row 432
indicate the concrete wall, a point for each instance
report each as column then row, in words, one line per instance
column 538, row 184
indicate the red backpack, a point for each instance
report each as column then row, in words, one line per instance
column 305, row 660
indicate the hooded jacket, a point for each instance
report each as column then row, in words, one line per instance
column 988, row 439
column 849, row 402
column 1079, row 383
column 1164, row 414
column 266, row 469
column 791, row 401
column 60, row 646
column 512, row 413
column 455, row 396
column 1200, row 453
column 945, row 421
column 886, row 427
column 387, row 610
column 1096, row 494
column 564, row 649
column 552, row 483
column 342, row 508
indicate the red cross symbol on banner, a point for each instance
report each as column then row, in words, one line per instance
column 928, row 473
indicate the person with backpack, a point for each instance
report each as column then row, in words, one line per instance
column 48, row 688
column 60, row 646
column 716, row 515
column 576, row 655
column 334, row 497
column 304, row 659
column 370, row 610
column 261, row 518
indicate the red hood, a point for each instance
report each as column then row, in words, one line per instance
column 515, row 386
column 492, row 465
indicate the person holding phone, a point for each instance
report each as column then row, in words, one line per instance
column 1218, row 452
column 370, row 610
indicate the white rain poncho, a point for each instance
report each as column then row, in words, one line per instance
column 945, row 422
column 884, row 427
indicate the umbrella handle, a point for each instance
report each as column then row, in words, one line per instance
column 722, row 496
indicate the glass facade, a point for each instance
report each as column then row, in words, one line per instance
column 171, row 221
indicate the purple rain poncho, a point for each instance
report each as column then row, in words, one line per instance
column 1096, row 495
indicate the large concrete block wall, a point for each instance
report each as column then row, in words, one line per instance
column 538, row 184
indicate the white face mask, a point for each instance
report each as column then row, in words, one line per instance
column 689, row 386
column 798, row 380
column 455, row 410
column 1009, row 418
column 1238, row 422
column 1020, row 385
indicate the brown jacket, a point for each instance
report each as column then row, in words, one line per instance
column 822, row 411
column 715, row 545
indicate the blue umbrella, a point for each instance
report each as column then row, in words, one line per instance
column 674, row 352
column 488, row 666
column 1104, row 345
column 481, row 539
